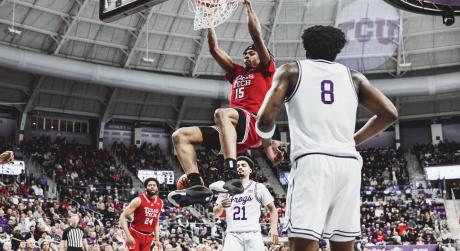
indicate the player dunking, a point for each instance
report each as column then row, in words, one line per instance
column 243, row 212
column 145, row 226
column 234, row 130
column 321, row 99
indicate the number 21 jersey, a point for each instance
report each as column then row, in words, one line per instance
column 244, row 213
column 322, row 110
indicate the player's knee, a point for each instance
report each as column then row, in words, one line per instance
column 221, row 115
column 179, row 136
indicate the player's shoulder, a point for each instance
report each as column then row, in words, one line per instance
column 137, row 200
column 358, row 78
column 258, row 186
column 289, row 69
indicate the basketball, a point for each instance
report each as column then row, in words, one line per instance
column 182, row 183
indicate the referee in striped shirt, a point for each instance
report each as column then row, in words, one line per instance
column 74, row 237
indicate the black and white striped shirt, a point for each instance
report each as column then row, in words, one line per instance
column 74, row 237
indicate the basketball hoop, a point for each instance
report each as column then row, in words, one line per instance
column 211, row 13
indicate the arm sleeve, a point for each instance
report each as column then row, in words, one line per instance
column 264, row 195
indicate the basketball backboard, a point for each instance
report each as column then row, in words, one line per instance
column 112, row 10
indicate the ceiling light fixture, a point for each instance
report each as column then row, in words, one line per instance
column 146, row 58
column 11, row 29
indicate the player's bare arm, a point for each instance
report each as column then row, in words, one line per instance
column 377, row 103
column 283, row 84
column 157, row 230
column 218, row 209
column 85, row 245
column 256, row 34
column 157, row 234
column 221, row 57
column 133, row 205
column 273, row 234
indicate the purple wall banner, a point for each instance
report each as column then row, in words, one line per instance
column 401, row 248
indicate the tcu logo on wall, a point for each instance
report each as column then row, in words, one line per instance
column 372, row 31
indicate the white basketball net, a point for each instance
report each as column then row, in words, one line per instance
column 211, row 13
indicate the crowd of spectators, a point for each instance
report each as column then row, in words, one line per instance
column 403, row 220
column 148, row 156
column 32, row 223
column 98, row 208
column 78, row 168
column 384, row 173
column 443, row 153
column 392, row 213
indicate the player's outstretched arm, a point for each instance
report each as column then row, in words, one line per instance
column 273, row 223
column 222, row 58
column 256, row 34
column 283, row 84
column 377, row 103
column 133, row 205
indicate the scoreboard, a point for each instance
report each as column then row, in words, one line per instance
column 112, row 10
column 162, row 176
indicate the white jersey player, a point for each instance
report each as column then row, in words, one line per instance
column 322, row 98
column 243, row 212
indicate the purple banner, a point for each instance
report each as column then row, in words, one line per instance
column 445, row 2
column 401, row 248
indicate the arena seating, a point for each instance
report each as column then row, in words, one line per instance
column 76, row 168
column 444, row 153
column 147, row 156
column 392, row 212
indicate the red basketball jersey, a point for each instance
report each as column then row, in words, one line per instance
column 147, row 214
column 250, row 86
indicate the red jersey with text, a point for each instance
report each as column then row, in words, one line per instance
column 147, row 214
column 250, row 86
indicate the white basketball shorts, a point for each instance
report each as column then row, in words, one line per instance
column 244, row 241
column 323, row 198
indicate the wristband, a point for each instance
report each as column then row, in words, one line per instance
column 266, row 135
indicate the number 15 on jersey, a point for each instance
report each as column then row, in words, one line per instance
column 239, row 92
